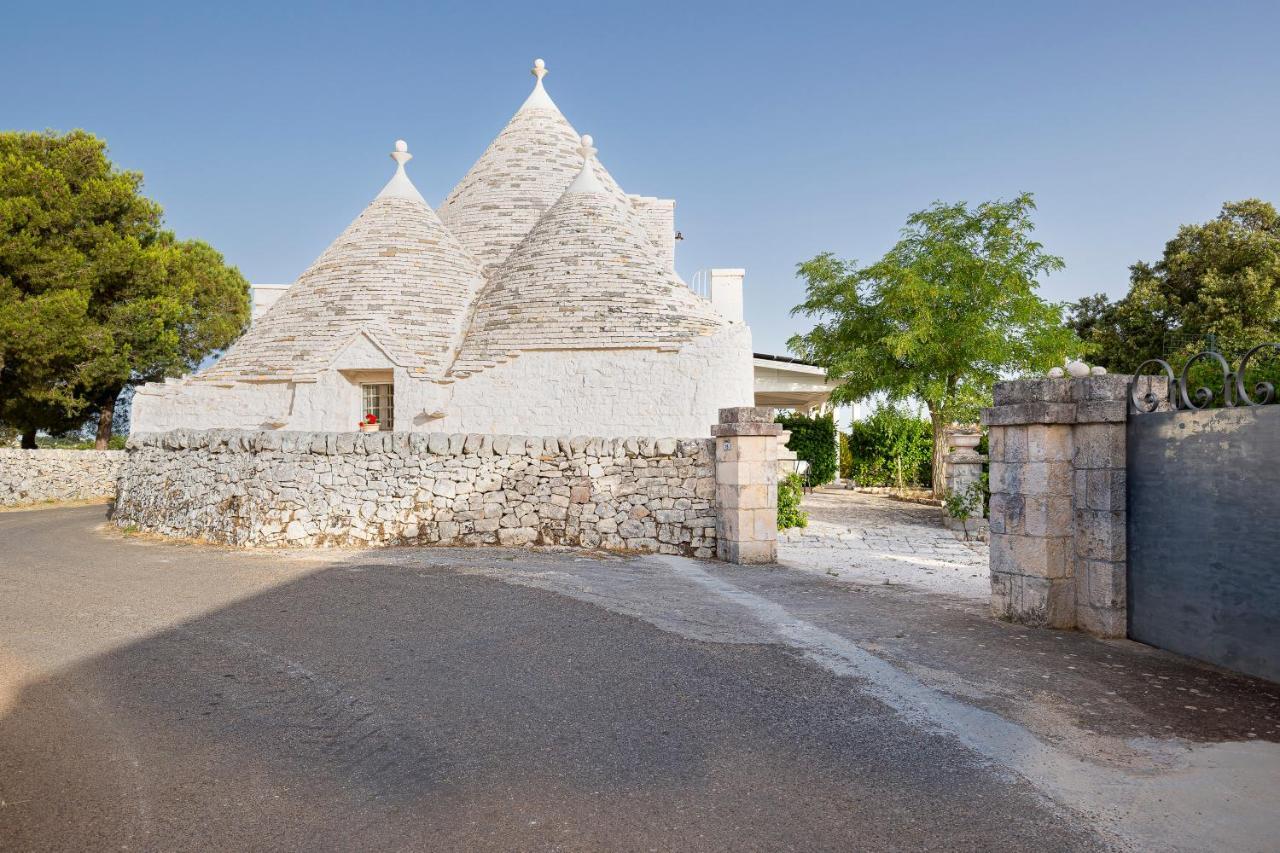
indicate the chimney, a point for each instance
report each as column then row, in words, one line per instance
column 726, row 293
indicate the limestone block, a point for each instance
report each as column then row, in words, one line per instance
column 1036, row 556
column 1035, row 601
column 746, row 414
column 759, row 448
column 1046, row 478
column 1111, row 387
column 1045, row 390
column 1048, row 515
column 1049, row 443
column 1101, row 583
column 1097, row 411
column 1005, row 478
column 1099, row 446
column 747, row 553
column 758, row 495
column 1100, row 535
column 1101, row 489
column 1106, row 622
column 1029, row 413
column 1007, row 513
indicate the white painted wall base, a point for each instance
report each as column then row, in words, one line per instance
column 616, row 392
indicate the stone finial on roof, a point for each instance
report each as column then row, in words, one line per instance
column 586, row 181
column 538, row 98
column 400, row 186
column 518, row 177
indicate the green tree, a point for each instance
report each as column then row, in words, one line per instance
column 1217, row 283
column 95, row 295
column 951, row 308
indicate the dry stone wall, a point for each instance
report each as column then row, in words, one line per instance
column 42, row 476
column 268, row 488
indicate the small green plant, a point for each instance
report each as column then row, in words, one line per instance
column 967, row 503
column 790, row 492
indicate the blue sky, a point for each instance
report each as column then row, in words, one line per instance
column 781, row 129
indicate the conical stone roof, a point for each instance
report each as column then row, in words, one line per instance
column 518, row 177
column 395, row 274
column 585, row 277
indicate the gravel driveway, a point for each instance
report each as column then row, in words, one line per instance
column 862, row 539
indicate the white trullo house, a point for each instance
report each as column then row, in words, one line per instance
column 540, row 300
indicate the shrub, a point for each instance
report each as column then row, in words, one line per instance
column 846, row 458
column 74, row 441
column 814, row 440
column 790, row 492
column 893, row 447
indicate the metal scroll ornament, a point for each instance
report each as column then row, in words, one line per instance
column 1179, row 395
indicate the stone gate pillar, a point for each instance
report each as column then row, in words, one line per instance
column 746, row 485
column 1058, row 517
column 962, row 473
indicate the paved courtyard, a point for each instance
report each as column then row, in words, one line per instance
column 859, row 538
column 166, row 696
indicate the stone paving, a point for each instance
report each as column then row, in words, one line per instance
column 863, row 539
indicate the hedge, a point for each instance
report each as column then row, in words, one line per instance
column 893, row 447
column 814, row 440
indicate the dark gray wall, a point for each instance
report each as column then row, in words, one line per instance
column 1204, row 535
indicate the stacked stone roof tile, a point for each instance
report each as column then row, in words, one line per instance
column 584, row 277
column 518, row 177
column 395, row 274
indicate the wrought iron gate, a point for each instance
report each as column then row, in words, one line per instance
column 1204, row 519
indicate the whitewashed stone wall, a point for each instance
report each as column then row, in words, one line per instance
column 41, row 476
column 587, row 392
column 307, row 488
column 604, row 392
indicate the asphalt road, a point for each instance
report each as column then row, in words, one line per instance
column 169, row 697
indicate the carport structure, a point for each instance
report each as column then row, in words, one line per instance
column 782, row 382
